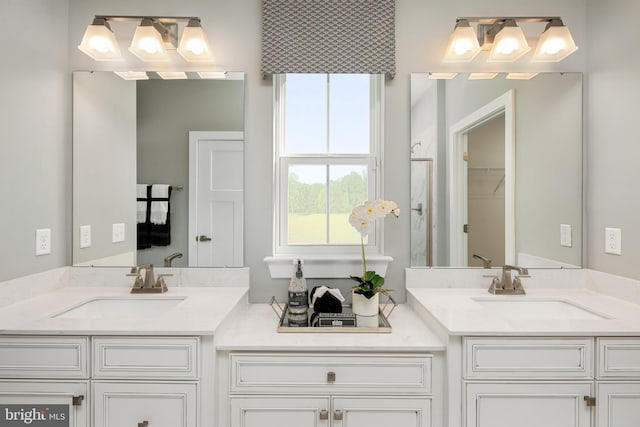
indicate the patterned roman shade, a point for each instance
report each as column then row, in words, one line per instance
column 328, row 36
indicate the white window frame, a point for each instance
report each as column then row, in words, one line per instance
column 325, row 257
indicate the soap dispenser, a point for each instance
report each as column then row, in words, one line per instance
column 298, row 305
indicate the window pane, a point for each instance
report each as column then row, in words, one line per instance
column 348, row 188
column 349, row 113
column 307, row 204
column 306, row 114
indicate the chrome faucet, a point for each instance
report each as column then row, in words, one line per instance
column 168, row 259
column 506, row 285
column 148, row 284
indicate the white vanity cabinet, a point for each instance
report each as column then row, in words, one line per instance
column 618, row 382
column 327, row 389
column 140, row 381
column 527, row 381
column 45, row 371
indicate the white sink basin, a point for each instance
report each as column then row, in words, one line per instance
column 134, row 307
column 523, row 308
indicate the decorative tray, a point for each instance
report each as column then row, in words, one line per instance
column 384, row 326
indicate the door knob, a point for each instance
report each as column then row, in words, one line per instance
column 418, row 209
column 203, row 238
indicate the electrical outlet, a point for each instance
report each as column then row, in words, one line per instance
column 117, row 233
column 43, row 241
column 565, row 235
column 85, row 236
column 613, row 241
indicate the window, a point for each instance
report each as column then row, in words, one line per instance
column 327, row 151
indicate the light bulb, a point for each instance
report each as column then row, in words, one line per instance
column 196, row 46
column 462, row 46
column 101, row 44
column 553, row 46
column 149, row 45
column 507, row 46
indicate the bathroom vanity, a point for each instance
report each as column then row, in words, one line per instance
column 201, row 355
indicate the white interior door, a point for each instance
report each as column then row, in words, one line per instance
column 216, row 199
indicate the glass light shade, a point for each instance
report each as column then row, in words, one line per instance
column 212, row 74
column 194, row 45
column 147, row 43
column 463, row 44
column 100, row 43
column 509, row 44
column 554, row 45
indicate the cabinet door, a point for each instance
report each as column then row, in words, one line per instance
column 131, row 404
column 381, row 412
column 618, row 404
column 527, row 404
column 53, row 401
column 284, row 411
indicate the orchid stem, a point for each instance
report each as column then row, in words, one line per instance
column 364, row 261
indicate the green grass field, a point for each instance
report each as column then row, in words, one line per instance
column 313, row 229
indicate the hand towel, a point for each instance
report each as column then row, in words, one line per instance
column 159, row 208
column 141, row 206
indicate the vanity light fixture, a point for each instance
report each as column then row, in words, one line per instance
column 153, row 38
column 99, row 42
column 147, row 42
column 194, row 44
column 509, row 43
column 463, row 43
column 132, row 75
column 505, row 40
column 555, row 43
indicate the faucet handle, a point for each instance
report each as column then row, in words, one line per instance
column 160, row 283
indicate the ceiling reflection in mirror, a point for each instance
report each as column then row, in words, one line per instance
column 131, row 139
column 496, row 171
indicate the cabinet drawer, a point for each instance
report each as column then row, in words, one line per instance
column 43, row 357
column 146, row 357
column 618, row 357
column 284, row 372
column 512, row 357
column 121, row 404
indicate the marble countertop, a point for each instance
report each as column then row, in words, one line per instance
column 200, row 312
column 573, row 312
column 254, row 327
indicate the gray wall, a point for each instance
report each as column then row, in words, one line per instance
column 104, row 159
column 613, row 156
column 167, row 111
column 35, row 156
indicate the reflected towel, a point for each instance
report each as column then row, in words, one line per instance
column 159, row 208
column 141, row 206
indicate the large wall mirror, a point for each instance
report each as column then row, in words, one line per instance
column 158, row 170
column 496, row 171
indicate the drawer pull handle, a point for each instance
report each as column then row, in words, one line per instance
column 591, row 401
column 337, row 415
column 143, row 424
column 324, row 414
column 331, row 377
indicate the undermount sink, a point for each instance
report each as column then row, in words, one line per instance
column 134, row 307
column 519, row 308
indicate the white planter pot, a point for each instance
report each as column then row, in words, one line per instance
column 365, row 307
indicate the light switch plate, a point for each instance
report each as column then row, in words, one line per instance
column 565, row 235
column 117, row 233
column 85, row 236
column 43, row 241
column 613, row 241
